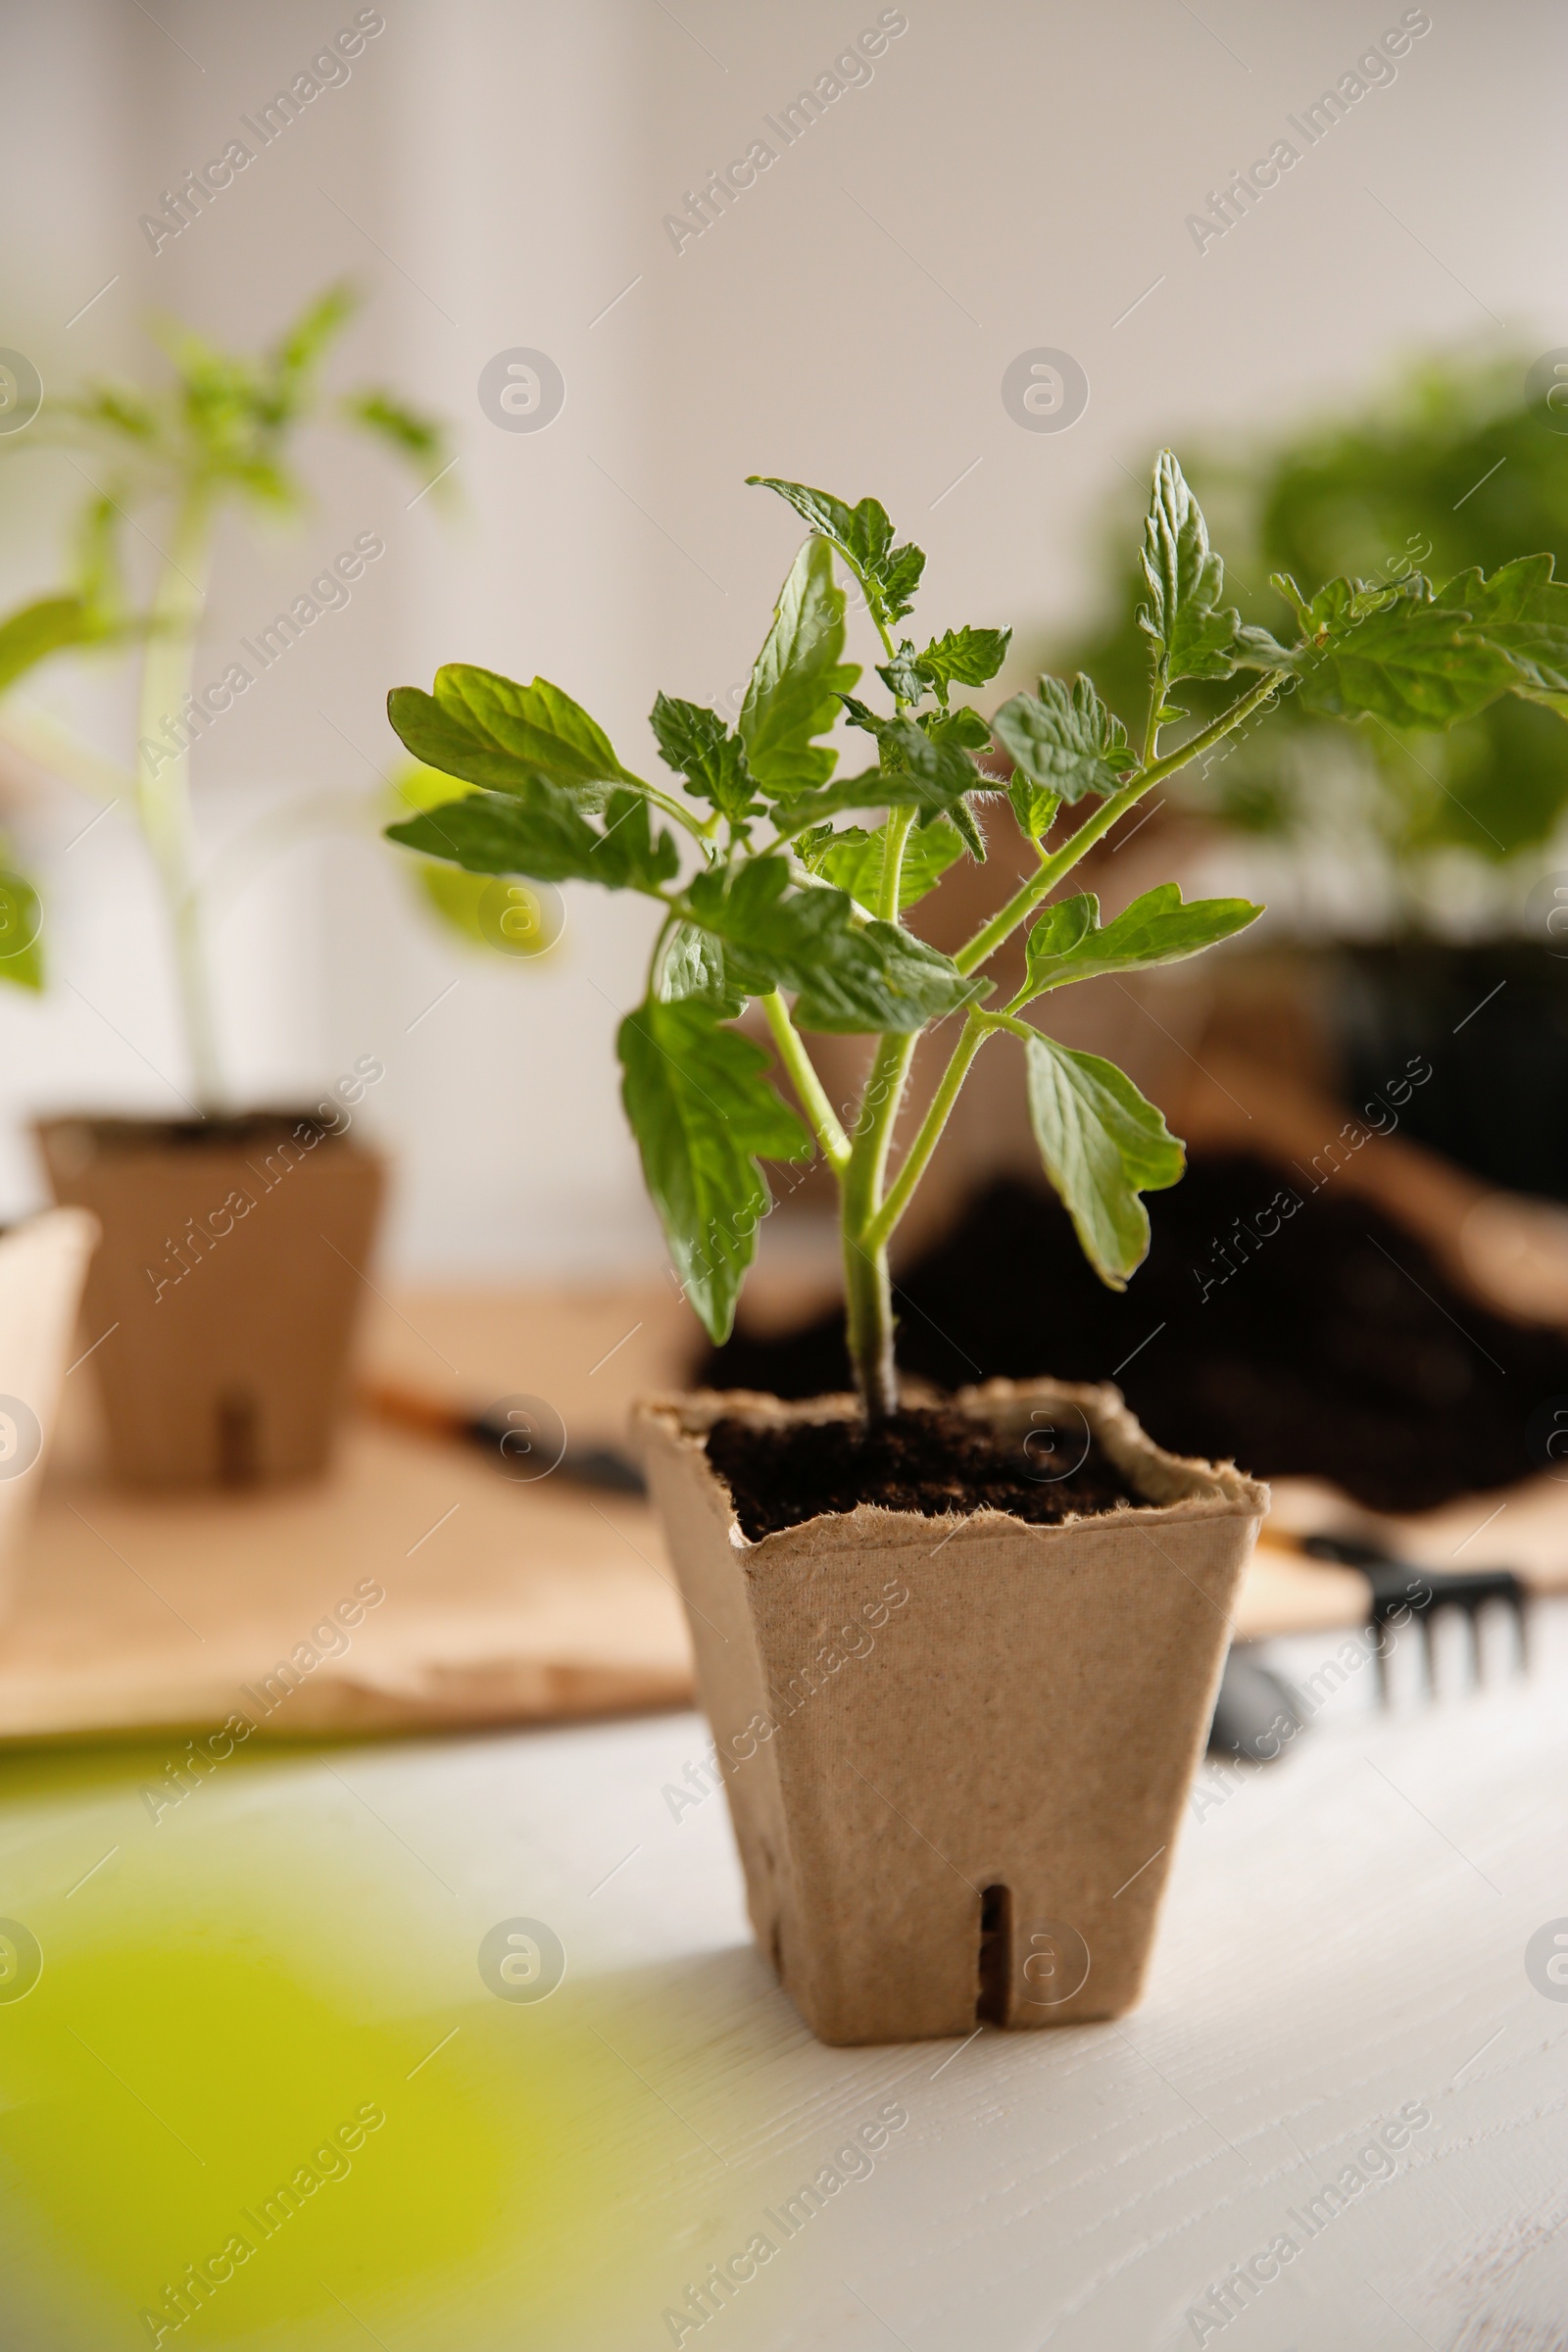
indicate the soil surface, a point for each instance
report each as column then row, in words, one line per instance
column 1275, row 1323
column 222, row 1132
column 933, row 1462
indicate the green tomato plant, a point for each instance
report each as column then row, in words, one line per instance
column 767, row 898
column 1450, row 468
column 220, row 437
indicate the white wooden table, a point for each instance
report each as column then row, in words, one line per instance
column 224, row 1985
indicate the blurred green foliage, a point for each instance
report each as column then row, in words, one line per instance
column 220, row 433
column 448, row 891
column 222, row 430
column 1454, row 469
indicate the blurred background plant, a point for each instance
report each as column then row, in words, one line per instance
column 1413, row 907
column 222, row 435
column 1386, row 832
column 524, row 920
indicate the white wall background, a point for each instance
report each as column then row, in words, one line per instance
column 494, row 175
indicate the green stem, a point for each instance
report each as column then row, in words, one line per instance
column 1023, row 902
column 834, row 1142
column 867, row 1281
column 976, row 1029
column 895, row 833
column 40, row 737
column 1156, row 703
column 162, row 780
column 870, row 1325
column 699, row 831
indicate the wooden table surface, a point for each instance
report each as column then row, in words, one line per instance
column 227, row 1984
column 504, row 1602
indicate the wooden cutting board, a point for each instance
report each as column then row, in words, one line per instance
column 501, row 1601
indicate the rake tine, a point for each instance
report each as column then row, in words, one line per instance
column 1396, row 1584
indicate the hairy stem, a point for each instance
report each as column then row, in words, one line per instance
column 1156, row 703
column 868, row 1287
column 163, row 779
column 702, row 831
column 870, row 1326
column 899, row 822
column 830, row 1136
column 976, row 1029
column 1024, row 901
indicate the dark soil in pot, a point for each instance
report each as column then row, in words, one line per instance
column 935, row 1462
column 1295, row 1331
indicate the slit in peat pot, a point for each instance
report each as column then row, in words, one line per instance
column 236, row 1438
column 996, row 1956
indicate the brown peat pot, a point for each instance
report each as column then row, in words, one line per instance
column 222, row 1299
column 956, row 1750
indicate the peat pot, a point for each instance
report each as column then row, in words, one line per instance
column 221, row 1302
column 956, row 1750
column 42, row 1265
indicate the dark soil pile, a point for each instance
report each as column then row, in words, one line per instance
column 1295, row 1331
column 932, row 1462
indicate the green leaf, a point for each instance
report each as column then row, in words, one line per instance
column 964, row 657
column 872, row 787
column 1065, row 739
column 21, row 923
column 929, row 772
column 693, row 965
column 459, row 898
column 963, row 816
column 936, row 761
column 305, row 344
column 854, row 860
column 791, row 695
column 902, row 677
column 703, row 1111
column 490, row 730
column 964, row 727
column 1034, row 806
column 1103, row 1146
column 1397, row 654
column 401, row 429
column 863, row 537
column 847, row 975
column 1070, row 943
column 1522, row 609
column 40, row 629
column 416, row 786
column 539, row 832
column 630, row 855
column 697, row 744
column 860, row 715
column 1197, row 637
